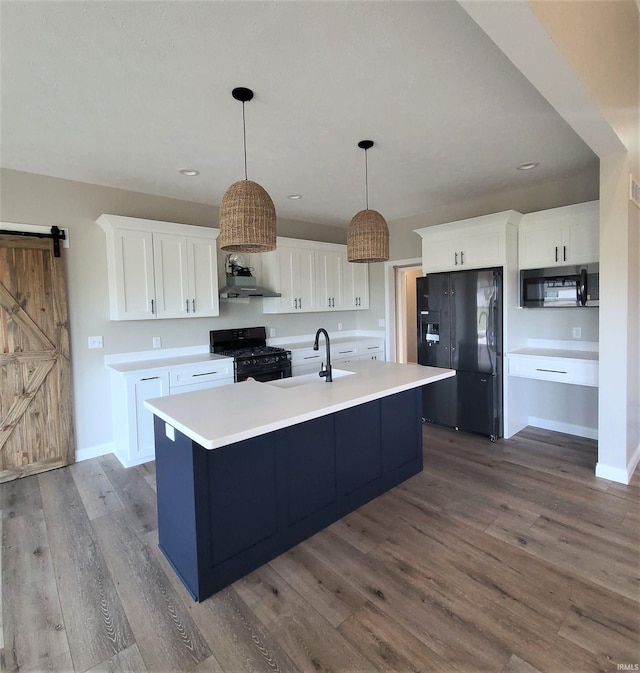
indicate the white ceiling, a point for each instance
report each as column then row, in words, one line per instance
column 124, row 94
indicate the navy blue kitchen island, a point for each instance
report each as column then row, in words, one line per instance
column 224, row 512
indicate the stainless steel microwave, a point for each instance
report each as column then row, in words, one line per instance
column 560, row 286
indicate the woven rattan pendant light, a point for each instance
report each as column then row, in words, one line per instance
column 247, row 213
column 367, row 233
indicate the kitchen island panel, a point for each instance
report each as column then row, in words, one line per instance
column 310, row 463
column 358, row 448
column 242, row 496
column 401, row 431
column 224, row 513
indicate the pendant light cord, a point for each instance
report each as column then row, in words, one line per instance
column 244, row 139
column 366, row 179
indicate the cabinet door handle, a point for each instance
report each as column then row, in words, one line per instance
column 556, row 253
column 187, row 302
column 193, row 305
column 456, row 254
column 296, row 302
column 564, row 253
column 204, row 374
column 150, row 378
column 461, row 257
column 300, row 300
column 153, row 308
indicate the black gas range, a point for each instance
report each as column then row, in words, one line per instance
column 251, row 355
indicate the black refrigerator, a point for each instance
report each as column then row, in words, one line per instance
column 460, row 327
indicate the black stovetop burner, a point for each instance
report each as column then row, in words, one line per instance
column 253, row 351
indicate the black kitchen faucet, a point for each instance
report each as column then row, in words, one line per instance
column 325, row 371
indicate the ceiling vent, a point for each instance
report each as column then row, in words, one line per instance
column 634, row 190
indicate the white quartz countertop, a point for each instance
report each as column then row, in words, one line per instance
column 555, row 353
column 165, row 363
column 216, row 417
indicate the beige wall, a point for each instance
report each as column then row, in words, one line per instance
column 601, row 40
column 583, row 57
column 35, row 199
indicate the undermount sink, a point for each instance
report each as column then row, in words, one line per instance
column 307, row 379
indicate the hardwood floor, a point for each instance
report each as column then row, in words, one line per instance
column 508, row 557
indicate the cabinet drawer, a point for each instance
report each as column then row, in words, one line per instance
column 202, row 373
column 560, row 370
column 306, row 357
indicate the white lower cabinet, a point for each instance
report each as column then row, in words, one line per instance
column 133, row 434
column 307, row 361
column 132, row 423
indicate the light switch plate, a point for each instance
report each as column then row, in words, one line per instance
column 95, row 342
column 157, row 342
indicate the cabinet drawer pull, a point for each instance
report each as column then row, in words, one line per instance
column 345, row 352
column 204, row 374
column 552, row 371
column 372, row 348
column 310, row 357
column 150, row 378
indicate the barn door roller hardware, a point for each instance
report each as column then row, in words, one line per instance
column 56, row 234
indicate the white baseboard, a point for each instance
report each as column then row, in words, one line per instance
column 567, row 428
column 619, row 474
column 94, row 451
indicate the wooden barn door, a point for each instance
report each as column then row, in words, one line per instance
column 36, row 431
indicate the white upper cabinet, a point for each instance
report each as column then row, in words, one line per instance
column 560, row 236
column 160, row 269
column 202, row 265
column 355, row 294
column 290, row 270
column 130, row 256
column 329, row 280
column 313, row 276
column 476, row 243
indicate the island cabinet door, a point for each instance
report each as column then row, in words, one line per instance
column 402, row 433
column 358, row 454
column 308, row 461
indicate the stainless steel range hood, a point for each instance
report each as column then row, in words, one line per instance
column 241, row 287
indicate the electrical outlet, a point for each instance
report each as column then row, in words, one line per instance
column 272, row 332
column 95, row 342
column 339, row 326
column 157, row 342
column 577, row 332
column 381, row 322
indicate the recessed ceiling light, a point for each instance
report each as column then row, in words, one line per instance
column 294, row 197
column 528, row 166
column 189, row 172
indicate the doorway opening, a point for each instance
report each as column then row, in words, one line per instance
column 400, row 309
